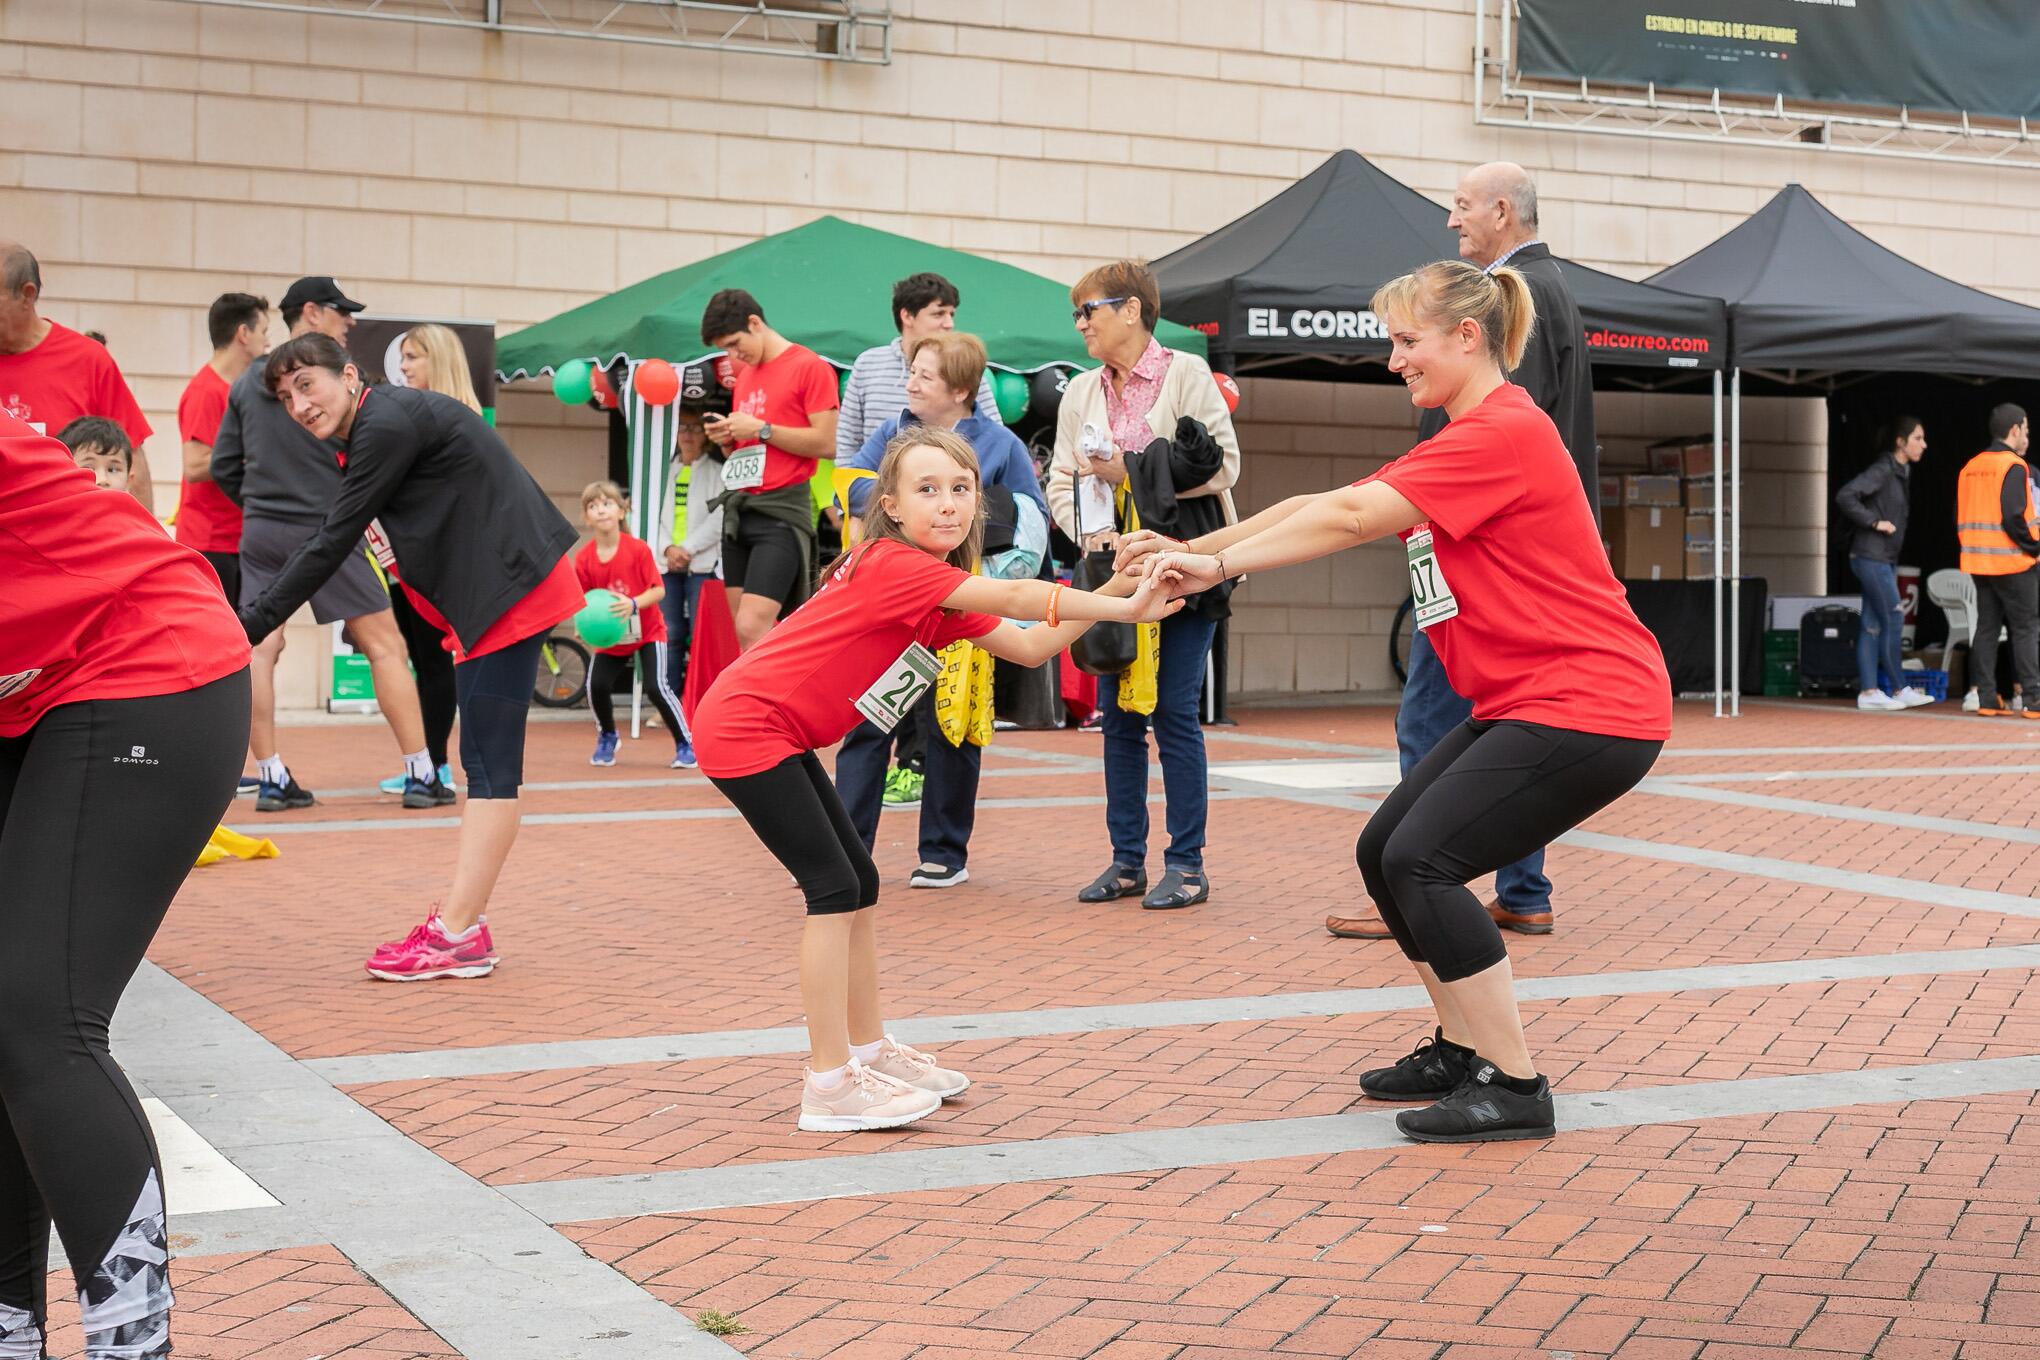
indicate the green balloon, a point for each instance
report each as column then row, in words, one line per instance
column 1009, row 393
column 573, row 382
column 597, row 626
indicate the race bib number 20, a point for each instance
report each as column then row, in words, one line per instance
column 1428, row 588
column 900, row 688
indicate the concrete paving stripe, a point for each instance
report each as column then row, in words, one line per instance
column 1298, row 744
column 1841, row 812
column 468, row 1266
column 1883, row 772
column 273, row 829
column 1061, row 1159
column 1945, row 713
column 196, row 1178
column 1313, row 774
column 934, row 1029
column 1892, row 748
column 680, row 782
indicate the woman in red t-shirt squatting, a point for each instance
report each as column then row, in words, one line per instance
column 1571, row 700
column 123, row 717
column 864, row 648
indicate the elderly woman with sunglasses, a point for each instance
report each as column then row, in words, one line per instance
column 1106, row 433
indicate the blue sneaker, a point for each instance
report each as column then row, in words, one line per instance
column 446, row 777
column 605, row 749
column 683, row 756
column 288, row 796
column 426, row 793
column 249, row 786
column 394, row 784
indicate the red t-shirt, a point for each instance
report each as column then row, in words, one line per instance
column 96, row 602
column 555, row 598
column 797, row 690
column 1544, row 633
column 206, row 519
column 786, row 391
column 631, row 572
column 66, row 376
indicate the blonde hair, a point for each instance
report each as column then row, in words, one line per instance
column 877, row 524
column 1447, row 292
column 602, row 490
column 959, row 358
column 449, row 364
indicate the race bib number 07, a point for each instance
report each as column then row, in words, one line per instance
column 1428, row 588
column 743, row 471
column 900, row 688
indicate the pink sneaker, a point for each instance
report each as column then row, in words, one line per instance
column 427, row 953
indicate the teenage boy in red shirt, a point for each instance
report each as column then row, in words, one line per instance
column 782, row 419
column 208, row 522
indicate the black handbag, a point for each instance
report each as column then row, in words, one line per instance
column 1105, row 648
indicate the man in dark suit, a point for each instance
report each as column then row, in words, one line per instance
column 1495, row 213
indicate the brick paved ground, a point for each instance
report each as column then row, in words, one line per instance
column 1870, row 1228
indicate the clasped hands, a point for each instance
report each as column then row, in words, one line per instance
column 1166, row 564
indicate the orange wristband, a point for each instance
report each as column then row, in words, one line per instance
column 1053, row 592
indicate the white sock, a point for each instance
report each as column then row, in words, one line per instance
column 831, row 1079
column 867, row 1053
column 462, row 936
column 418, row 765
column 271, row 770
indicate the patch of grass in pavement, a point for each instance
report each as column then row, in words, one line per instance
column 720, row 1324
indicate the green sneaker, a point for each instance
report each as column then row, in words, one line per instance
column 902, row 789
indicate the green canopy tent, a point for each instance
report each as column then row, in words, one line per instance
column 827, row 285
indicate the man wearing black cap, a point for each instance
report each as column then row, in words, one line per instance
column 284, row 479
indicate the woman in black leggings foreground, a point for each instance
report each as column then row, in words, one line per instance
column 1571, row 701
column 123, row 717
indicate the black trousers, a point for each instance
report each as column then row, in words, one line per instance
column 653, row 663
column 948, row 799
column 104, row 807
column 1486, row 795
column 794, row 809
column 2013, row 604
column 433, row 665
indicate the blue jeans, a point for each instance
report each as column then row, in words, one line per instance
column 948, row 797
column 1179, row 686
column 1430, row 709
column 678, row 607
column 1883, row 627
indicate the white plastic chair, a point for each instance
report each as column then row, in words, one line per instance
column 1955, row 594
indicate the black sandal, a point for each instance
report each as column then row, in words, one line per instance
column 1121, row 880
column 1177, row 889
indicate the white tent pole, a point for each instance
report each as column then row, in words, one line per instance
column 1735, row 547
column 1718, row 522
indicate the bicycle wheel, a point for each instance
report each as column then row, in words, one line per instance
column 562, row 673
column 1400, row 637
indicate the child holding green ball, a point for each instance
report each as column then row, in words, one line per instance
column 623, row 565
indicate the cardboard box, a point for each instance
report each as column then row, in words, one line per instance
column 1644, row 488
column 1664, row 460
column 1700, row 563
column 1690, row 455
column 1700, row 532
column 1697, row 460
column 1611, row 489
column 1646, row 542
column 1697, row 494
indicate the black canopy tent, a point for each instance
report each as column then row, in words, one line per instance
column 1285, row 291
column 1813, row 304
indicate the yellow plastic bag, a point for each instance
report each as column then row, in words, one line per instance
column 1138, row 684
column 227, row 843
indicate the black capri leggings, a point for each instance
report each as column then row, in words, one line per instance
column 794, row 809
column 1487, row 795
column 104, row 807
column 495, row 699
column 433, row 665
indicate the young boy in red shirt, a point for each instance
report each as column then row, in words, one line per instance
column 615, row 561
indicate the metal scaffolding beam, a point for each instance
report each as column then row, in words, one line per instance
column 856, row 31
column 1502, row 98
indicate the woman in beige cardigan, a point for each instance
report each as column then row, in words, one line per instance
column 1106, row 433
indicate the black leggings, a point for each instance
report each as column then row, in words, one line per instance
column 104, row 807
column 794, row 809
column 1487, row 795
column 652, row 662
column 433, row 665
column 495, row 700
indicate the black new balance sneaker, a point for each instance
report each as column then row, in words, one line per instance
column 1483, row 1110
column 1434, row 1070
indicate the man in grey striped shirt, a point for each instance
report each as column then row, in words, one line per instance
column 923, row 305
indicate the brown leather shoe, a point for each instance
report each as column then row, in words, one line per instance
column 1537, row 924
column 1366, row 924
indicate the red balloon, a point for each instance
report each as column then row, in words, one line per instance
column 1228, row 389
column 656, row 382
column 604, row 390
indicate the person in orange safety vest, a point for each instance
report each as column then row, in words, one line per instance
column 2000, row 535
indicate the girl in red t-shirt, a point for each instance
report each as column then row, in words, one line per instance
column 1571, row 700
column 623, row 565
column 863, row 648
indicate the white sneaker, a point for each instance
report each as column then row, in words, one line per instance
column 864, row 1100
column 917, row 1069
column 1970, row 703
column 937, row 876
column 1877, row 701
column 1913, row 698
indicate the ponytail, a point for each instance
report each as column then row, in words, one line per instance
column 1448, row 292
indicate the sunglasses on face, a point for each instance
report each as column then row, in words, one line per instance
column 1084, row 309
